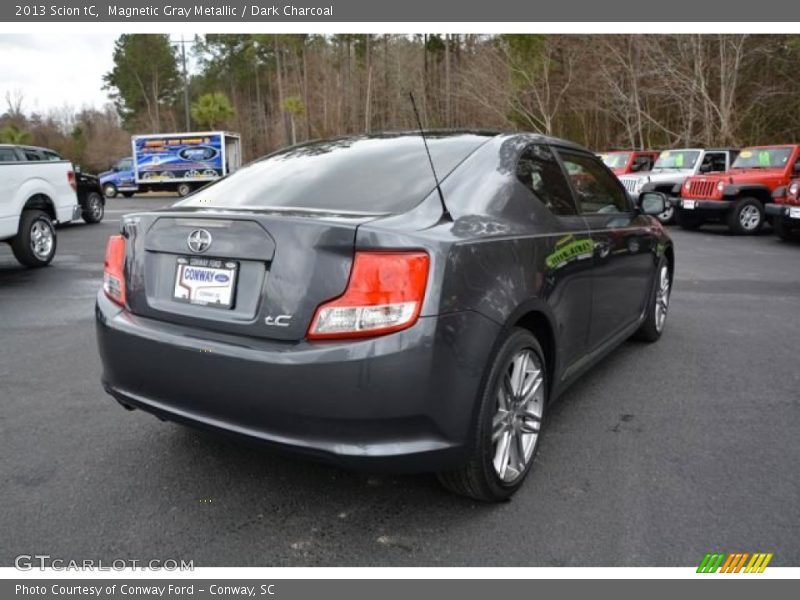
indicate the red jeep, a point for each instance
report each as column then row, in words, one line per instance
column 785, row 211
column 622, row 162
column 738, row 196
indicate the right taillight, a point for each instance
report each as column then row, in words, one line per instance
column 384, row 294
column 72, row 181
column 114, row 269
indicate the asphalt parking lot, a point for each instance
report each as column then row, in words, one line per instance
column 662, row 453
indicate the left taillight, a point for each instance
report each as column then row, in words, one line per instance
column 72, row 181
column 384, row 295
column 114, row 269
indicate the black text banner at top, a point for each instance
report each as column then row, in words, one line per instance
column 444, row 11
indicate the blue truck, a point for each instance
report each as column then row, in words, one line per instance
column 173, row 162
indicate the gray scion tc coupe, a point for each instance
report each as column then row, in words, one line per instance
column 330, row 299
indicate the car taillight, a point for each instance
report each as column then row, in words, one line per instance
column 114, row 269
column 384, row 294
column 72, row 182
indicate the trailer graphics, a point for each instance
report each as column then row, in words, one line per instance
column 172, row 159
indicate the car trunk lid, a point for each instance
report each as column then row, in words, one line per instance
column 251, row 273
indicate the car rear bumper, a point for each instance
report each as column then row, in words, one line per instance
column 402, row 401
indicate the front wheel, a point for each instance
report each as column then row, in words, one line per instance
column 657, row 306
column 689, row 219
column 35, row 244
column 94, row 209
column 109, row 190
column 746, row 217
column 784, row 230
column 508, row 423
column 667, row 216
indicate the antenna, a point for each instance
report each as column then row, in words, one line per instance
column 445, row 212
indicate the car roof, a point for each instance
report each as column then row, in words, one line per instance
column 28, row 147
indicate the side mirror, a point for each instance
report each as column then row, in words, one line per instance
column 652, row 203
column 705, row 169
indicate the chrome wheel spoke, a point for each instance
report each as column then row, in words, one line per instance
column 502, row 454
column 499, row 424
column 517, row 419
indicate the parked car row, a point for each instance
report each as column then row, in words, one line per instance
column 739, row 188
column 39, row 189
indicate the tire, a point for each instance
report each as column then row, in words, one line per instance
column 128, row 194
column 35, row 244
column 668, row 216
column 94, row 209
column 184, row 189
column 521, row 421
column 784, row 231
column 688, row 219
column 746, row 217
column 657, row 305
column 109, row 190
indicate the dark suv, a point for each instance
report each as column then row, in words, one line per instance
column 333, row 300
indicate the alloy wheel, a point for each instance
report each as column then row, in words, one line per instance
column 41, row 239
column 750, row 217
column 662, row 299
column 518, row 417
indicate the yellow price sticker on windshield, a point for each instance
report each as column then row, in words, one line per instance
column 745, row 154
column 666, row 154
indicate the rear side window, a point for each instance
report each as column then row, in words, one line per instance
column 539, row 171
column 8, row 155
column 597, row 190
column 48, row 155
column 382, row 174
column 32, row 155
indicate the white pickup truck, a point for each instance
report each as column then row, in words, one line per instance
column 37, row 190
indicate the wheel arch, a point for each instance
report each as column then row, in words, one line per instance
column 758, row 192
column 41, row 202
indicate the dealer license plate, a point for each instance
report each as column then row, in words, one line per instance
column 205, row 281
column 688, row 204
column 794, row 213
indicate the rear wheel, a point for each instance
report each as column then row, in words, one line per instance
column 746, row 217
column 509, row 420
column 689, row 219
column 653, row 325
column 35, row 244
column 667, row 216
column 184, row 189
column 109, row 190
column 95, row 208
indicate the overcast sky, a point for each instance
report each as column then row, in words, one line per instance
column 52, row 71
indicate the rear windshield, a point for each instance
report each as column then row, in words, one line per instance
column 386, row 174
column 763, row 158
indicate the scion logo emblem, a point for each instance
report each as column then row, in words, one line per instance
column 199, row 240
